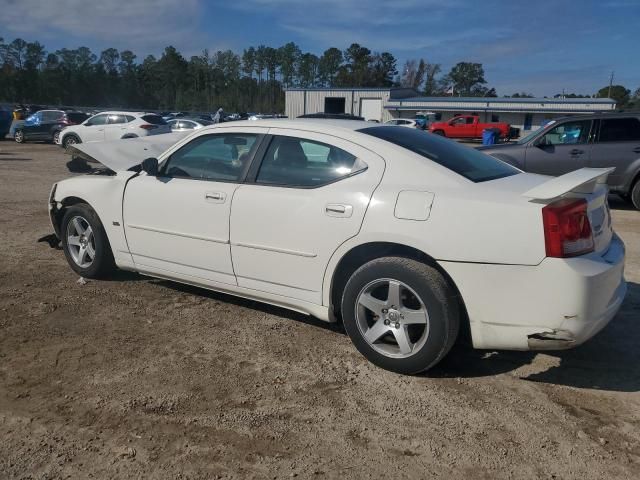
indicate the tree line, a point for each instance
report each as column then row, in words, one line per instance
column 251, row 81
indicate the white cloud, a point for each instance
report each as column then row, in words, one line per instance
column 135, row 24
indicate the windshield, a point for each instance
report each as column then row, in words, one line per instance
column 465, row 161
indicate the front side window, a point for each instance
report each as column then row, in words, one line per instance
column 223, row 157
column 468, row 162
column 187, row 125
column 619, row 130
column 98, row 120
column 297, row 162
column 568, row 133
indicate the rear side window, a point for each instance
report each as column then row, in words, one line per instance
column 620, row 130
column 465, row 161
column 52, row 115
column 114, row 119
column 154, row 119
column 297, row 162
column 130, row 118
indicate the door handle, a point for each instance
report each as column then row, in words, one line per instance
column 338, row 210
column 576, row 151
column 215, row 197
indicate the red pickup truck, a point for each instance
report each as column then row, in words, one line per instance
column 468, row 126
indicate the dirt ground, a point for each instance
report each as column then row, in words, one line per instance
column 141, row 378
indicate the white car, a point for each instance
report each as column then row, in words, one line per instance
column 404, row 237
column 107, row 126
column 402, row 122
column 188, row 124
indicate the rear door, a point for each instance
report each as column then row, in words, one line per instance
column 562, row 149
column 310, row 195
column 617, row 144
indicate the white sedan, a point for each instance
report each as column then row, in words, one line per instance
column 402, row 122
column 403, row 236
column 107, row 126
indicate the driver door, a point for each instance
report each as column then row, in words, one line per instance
column 177, row 223
column 561, row 150
column 93, row 129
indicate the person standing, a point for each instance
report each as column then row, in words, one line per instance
column 217, row 118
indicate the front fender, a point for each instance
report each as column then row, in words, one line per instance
column 104, row 194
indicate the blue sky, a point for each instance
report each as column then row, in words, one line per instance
column 539, row 46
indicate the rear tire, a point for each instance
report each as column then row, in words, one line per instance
column 634, row 194
column 401, row 314
column 85, row 242
column 18, row 136
column 56, row 136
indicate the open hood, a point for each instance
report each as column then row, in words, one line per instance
column 121, row 155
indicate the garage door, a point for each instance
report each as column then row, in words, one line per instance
column 371, row 108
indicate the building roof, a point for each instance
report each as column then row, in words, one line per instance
column 338, row 89
column 504, row 100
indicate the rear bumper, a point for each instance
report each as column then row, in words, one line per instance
column 557, row 304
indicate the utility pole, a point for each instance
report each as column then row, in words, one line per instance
column 610, row 84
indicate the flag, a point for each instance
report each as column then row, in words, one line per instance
column 450, row 90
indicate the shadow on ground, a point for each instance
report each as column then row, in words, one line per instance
column 610, row 361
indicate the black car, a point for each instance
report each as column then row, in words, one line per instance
column 47, row 124
column 333, row 116
column 570, row 143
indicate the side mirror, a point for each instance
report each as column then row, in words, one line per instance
column 150, row 165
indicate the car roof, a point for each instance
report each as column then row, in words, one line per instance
column 319, row 124
column 119, row 112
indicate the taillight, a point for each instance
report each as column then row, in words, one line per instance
column 146, row 126
column 567, row 230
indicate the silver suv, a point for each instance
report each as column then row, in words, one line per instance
column 570, row 143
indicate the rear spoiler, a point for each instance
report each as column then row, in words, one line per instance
column 584, row 180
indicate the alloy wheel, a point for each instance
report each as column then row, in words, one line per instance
column 81, row 242
column 392, row 318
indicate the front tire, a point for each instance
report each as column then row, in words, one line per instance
column 70, row 139
column 439, row 132
column 85, row 242
column 18, row 136
column 401, row 314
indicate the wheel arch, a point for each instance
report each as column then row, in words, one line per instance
column 360, row 254
column 66, row 202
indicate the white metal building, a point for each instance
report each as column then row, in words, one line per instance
column 384, row 104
